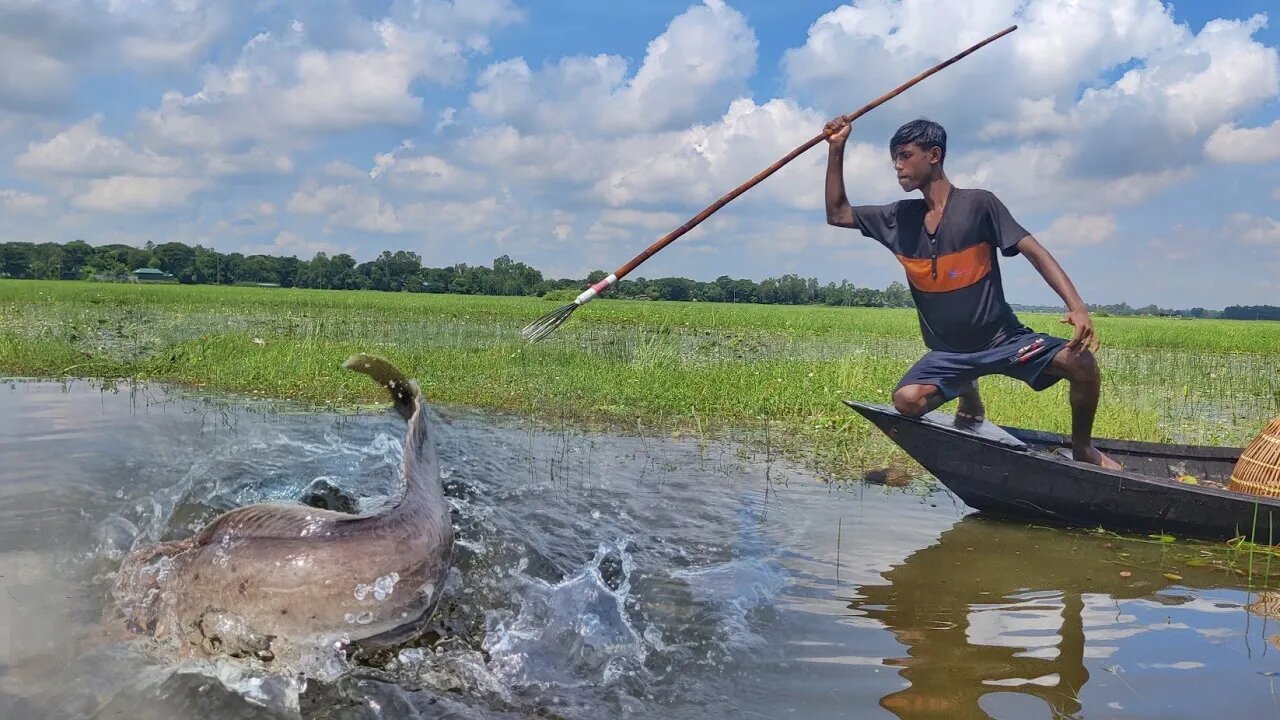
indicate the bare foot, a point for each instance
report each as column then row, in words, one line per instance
column 1095, row 456
column 970, row 412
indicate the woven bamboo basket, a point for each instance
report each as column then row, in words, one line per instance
column 1257, row 472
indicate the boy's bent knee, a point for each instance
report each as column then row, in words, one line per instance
column 912, row 400
column 1081, row 366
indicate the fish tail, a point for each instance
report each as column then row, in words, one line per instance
column 403, row 391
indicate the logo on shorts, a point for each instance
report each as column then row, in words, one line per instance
column 1026, row 352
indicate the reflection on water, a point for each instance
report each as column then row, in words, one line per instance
column 600, row 576
column 994, row 608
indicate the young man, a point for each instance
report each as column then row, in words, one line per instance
column 947, row 242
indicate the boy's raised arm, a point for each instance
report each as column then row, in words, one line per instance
column 839, row 211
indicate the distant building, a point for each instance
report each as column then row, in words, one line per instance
column 151, row 275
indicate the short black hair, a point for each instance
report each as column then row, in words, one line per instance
column 923, row 132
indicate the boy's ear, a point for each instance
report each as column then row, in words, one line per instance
column 935, row 155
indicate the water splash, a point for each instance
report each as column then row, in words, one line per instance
column 575, row 632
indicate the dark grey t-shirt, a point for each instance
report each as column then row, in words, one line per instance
column 954, row 275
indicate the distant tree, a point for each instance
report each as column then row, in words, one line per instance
column 15, row 259
column 174, row 258
column 76, row 255
column 258, row 269
column 47, row 261
column 1251, row 312
column 897, row 295
column 403, row 270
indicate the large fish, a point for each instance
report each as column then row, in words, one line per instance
column 264, row 578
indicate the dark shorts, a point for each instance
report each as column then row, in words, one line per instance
column 1025, row 356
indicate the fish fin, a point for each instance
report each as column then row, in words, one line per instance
column 403, row 390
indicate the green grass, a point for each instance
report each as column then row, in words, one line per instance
column 663, row 367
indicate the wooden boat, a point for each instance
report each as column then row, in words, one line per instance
column 1030, row 474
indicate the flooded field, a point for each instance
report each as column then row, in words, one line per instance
column 604, row 576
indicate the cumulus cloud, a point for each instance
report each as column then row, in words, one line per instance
column 1039, row 177
column 46, row 47
column 132, row 194
column 1144, row 127
column 1231, row 144
column 41, row 45
column 1252, row 230
column 626, row 223
column 363, row 207
column 83, row 151
column 404, row 170
column 1034, row 136
column 693, row 69
column 257, row 161
column 699, row 165
column 283, row 83
column 854, row 51
column 288, row 243
column 23, row 203
column 1075, row 230
column 163, row 33
column 348, row 206
column 689, row 168
column 339, row 169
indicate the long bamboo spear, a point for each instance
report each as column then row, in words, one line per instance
column 544, row 325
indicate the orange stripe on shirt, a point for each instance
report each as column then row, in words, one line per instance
column 955, row 270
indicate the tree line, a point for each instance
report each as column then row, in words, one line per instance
column 403, row 271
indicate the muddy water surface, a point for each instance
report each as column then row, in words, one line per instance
column 601, row 576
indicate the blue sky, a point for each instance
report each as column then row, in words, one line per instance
column 1139, row 141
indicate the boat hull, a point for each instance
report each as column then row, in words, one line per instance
column 1025, row 474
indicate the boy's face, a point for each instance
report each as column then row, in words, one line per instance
column 915, row 165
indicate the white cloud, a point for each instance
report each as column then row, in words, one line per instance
column 363, row 208
column 699, row 165
column 854, row 51
column 1252, row 230
column 30, row 81
column 346, row 171
column 647, row 220
column 562, row 157
column 347, row 206
column 284, row 84
column 164, row 33
column 1075, row 230
column 46, row 47
column 421, row 173
column 1118, row 143
column 132, row 194
column 254, row 162
column 1042, row 177
column 83, row 151
column 16, row 201
column 288, row 243
column 447, row 119
column 688, row 168
column 1276, row 193
column 40, row 47
column 1146, row 126
column 1034, row 118
column 693, row 69
column 1244, row 145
